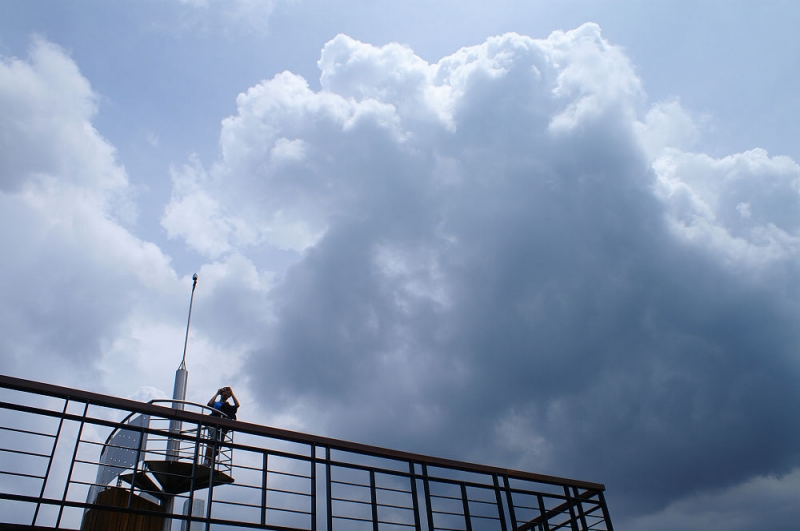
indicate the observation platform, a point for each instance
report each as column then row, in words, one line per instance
column 71, row 459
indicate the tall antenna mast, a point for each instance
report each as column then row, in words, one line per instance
column 188, row 322
column 182, row 375
column 179, row 396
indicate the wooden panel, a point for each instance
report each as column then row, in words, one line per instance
column 98, row 519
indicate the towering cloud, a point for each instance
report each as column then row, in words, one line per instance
column 508, row 256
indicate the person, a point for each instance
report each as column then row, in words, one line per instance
column 222, row 408
column 224, row 393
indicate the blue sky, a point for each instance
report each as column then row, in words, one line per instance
column 559, row 236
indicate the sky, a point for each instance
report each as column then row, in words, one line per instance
column 558, row 236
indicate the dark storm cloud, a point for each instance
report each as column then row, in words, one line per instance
column 509, row 263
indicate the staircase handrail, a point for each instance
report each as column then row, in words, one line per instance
column 125, row 420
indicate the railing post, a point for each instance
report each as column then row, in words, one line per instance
column 509, row 499
column 501, row 514
column 373, row 498
column 313, row 487
column 414, row 495
column 604, row 508
column 72, row 463
column 543, row 512
column 573, row 521
column 579, row 505
column 50, row 462
column 328, row 487
column 465, row 505
column 427, row 487
column 265, row 465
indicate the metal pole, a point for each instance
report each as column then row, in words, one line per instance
column 178, row 393
column 188, row 322
column 181, row 380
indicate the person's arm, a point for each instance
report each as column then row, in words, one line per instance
column 214, row 398
column 235, row 401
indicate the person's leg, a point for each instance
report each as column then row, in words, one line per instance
column 210, row 444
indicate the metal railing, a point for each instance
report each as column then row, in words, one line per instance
column 183, row 446
column 71, row 459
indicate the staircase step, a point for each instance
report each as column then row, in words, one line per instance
column 143, row 482
column 175, row 477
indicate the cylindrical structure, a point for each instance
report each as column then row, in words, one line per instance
column 175, row 426
column 179, row 391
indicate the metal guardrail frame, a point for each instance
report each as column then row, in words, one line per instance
column 287, row 481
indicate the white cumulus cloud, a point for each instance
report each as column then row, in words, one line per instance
column 85, row 301
column 508, row 254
